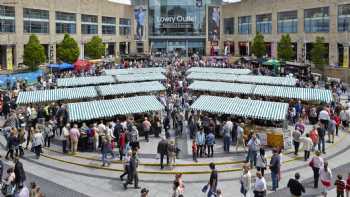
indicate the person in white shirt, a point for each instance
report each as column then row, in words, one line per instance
column 324, row 117
column 260, row 185
column 240, row 137
column 316, row 163
column 246, row 181
column 307, row 144
column 326, row 178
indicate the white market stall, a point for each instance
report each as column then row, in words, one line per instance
column 234, row 71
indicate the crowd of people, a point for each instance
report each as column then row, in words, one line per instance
column 39, row 125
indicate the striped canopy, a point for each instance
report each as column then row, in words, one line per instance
column 109, row 108
column 219, row 70
column 268, row 80
column 84, row 81
column 141, row 77
column 42, row 96
column 305, row 94
column 130, row 88
column 134, row 71
column 222, row 87
column 246, row 108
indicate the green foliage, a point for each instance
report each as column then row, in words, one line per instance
column 95, row 49
column 68, row 50
column 34, row 53
column 259, row 48
column 285, row 48
column 318, row 53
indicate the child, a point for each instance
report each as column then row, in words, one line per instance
column 340, row 184
column 194, row 150
column 348, row 186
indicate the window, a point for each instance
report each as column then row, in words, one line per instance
column 124, row 26
column 229, row 25
column 108, row 25
column 287, row 22
column 7, row 19
column 35, row 21
column 316, row 20
column 65, row 23
column 344, row 18
column 264, row 23
column 245, row 25
column 89, row 24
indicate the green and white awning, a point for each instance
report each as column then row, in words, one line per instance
column 246, row 108
column 305, row 94
column 268, row 80
column 42, row 96
column 222, row 87
column 109, row 108
column 140, row 77
column 134, row 71
column 130, row 88
column 85, row 81
column 219, row 70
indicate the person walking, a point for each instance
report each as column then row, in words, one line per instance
column 314, row 137
column 121, row 143
column 227, row 129
column 194, row 150
column 246, row 181
column 106, row 148
column 19, row 172
column 146, row 126
column 260, row 187
column 337, row 123
column 126, row 163
column 321, row 131
column 171, row 153
column 65, row 138
column 340, row 185
column 261, row 161
column 210, row 139
column 200, row 140
column 11, row 144
column 253, row 147
column 38, row 141
column 74, row 135
column 213, row 180
column 296, row 141
column 133, row 171
column 316, row 164
column 240, row 137
column 275, row 165
column 331, row 130
column 162, row 150
column 307, row 144
column 295, row 187
column 326, row 178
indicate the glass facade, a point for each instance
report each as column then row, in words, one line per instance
column 176, row 18
column 89, row 24
column 229, row 25
column 245, row 25
column 264, row 23
column 108, row 25
column 7, row 19
column 344, row 18
column 124, row 26
column 287, row 22
column 66, row 23
column 35, row 21
column 316, row 20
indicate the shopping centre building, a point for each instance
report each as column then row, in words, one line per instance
column 184, row 27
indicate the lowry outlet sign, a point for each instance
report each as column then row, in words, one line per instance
column 176, row 21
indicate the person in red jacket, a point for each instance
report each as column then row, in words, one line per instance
column 337, row 123
column 121, row 144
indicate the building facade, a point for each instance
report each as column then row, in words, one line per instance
column 184, row 27
column 302, row 20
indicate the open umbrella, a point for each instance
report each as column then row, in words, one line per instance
column 274, row 63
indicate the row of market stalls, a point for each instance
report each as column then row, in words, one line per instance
column 281, row 92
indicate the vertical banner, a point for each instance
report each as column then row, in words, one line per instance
column 346, row 57
column 140, row 14
column 214, row 23
column 9, row 58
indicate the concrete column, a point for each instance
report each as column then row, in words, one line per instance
column 99, row 26
column 236, row 43
column 19, row 34
column 333, row 45
column 52, row 40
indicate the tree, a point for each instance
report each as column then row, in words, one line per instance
column 285, row 49
column 259, row 48
column 95, row 49
column 68, row 50
column 34, row 53
column 318, row 53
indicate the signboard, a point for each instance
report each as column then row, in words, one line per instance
column 9, row 58
column 287, row 140
column 140, row 14
column 346, row 57
column 214, row 23
column 180, row 22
